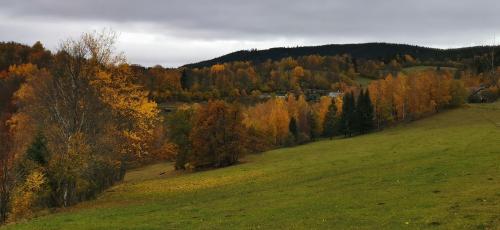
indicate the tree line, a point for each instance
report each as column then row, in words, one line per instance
column 247, row 82
column 411, row 97
column 385, row 52
column 217, row 133
column 237, row 81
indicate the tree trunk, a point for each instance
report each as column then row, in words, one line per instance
column 65, row 195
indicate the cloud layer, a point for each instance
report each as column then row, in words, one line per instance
column 177, row 32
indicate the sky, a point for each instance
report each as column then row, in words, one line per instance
column 172, row 33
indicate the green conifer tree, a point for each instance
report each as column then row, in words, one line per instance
column 292, row 127
column 331, row 123
column 38, row 151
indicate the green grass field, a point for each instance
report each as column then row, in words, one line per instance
column 442, row 172
column 415, row 69
column 364, row 81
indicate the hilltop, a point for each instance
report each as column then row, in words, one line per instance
column 376, row 50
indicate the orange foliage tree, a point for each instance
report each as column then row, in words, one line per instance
column 217, row 136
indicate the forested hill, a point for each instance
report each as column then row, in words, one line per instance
column 13, row 53
column 379, row 51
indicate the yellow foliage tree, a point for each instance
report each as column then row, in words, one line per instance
column 27, row 195
column 270, row 117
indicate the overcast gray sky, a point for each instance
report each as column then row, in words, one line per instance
column 177, row 32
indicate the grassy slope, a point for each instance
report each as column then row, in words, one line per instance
column 441, row 172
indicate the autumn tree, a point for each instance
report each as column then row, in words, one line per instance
column 386, row 104
column 217, row 136
column 179, row 129
column 303, row 123
column 321, row 109
column 256, row 140
column 6, row 167
column 163, row 84
column 270, row 117
column 414, row 96
column 95, row 118
column 458, row 93
column 28, row 194
column 10, row 82
column 313, row 120
column 401, row 97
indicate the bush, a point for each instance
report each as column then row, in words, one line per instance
column 29, row 195
column 458, row 93
column 257, row 141
column 491, row 94
column 474, row 98
column 303, row 138
column 290, row 140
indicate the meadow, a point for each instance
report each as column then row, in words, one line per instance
column 415, row 69
column 440, row 172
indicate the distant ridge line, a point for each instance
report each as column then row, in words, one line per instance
column 373, row 50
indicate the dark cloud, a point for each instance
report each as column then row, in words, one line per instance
column 425, row 22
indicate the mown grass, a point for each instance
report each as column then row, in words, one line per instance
column 441, row 172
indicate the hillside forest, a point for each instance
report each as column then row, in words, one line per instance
column 73, row 121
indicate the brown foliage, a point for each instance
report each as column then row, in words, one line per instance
column 217, row 136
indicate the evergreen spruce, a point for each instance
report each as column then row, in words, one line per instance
column 184, row 80
column 330, row 128
column 347, row 118
column 38, row 152
column 359, row 111
column 292, row 127
column 368, row 113
column 344, row 115
column 352, row 114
